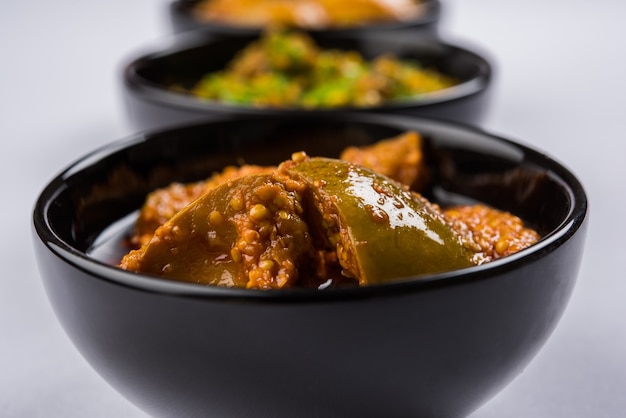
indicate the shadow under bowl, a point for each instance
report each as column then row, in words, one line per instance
column 430, row 346
column 152, row 102
column 182, row 18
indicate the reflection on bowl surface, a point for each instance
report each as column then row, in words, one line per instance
column 157, row 84
column 434, row 345
column 227, row 17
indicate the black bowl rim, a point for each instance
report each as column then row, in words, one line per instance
column 156, row 93
column 43, row 228
column 432, row 15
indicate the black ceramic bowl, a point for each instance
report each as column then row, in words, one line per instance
column 151, row 103
column 430, row 346
column 182, row 18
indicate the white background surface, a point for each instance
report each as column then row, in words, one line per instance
column 560, row 87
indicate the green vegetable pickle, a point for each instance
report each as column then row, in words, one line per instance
column 381, row 230
column 287, row 69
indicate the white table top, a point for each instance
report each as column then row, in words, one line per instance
column 560, row 87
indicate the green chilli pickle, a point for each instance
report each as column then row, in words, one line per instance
column 286, row 69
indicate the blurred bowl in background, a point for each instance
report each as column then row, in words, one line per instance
column 436, row 345
column 185, row 15
column 152, row 82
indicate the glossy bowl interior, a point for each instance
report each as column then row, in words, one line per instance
column 182, row 19
column 151, row 103
column 438, row 345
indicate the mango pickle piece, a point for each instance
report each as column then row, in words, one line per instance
column 380, row 229
column 247, row 232
column 162, row 204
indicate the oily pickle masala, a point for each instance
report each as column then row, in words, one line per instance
column 317, row 222
column 310, row 14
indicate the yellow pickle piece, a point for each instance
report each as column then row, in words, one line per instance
column 247, row 232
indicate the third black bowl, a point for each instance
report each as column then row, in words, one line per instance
column 185, row 16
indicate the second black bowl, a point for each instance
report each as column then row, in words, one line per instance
column 152, row 103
